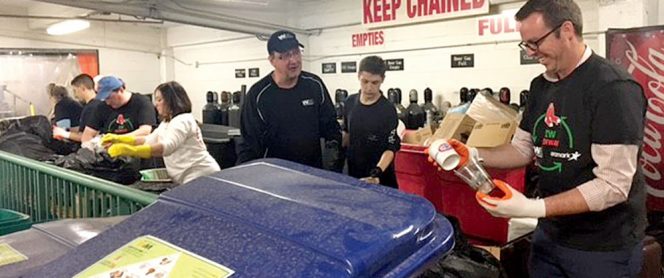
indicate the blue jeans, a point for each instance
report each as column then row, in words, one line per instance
column 549, row 259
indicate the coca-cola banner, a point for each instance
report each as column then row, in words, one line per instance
column 641, row 52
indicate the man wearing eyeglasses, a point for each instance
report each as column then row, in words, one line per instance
column 286, row 113
column 583, row 124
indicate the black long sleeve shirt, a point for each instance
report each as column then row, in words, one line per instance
column 287, row 123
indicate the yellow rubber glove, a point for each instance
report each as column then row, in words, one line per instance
column 120, row 149
column 110, row 138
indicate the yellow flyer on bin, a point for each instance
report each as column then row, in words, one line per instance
column 9, row 255
column 148, row 256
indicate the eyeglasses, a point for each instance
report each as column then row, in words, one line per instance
column 290, row 54
column 534, row 46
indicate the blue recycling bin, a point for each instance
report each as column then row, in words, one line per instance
column 274, row 218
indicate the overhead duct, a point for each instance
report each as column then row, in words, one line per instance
column 177, row 12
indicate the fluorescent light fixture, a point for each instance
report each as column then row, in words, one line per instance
column 67, row 27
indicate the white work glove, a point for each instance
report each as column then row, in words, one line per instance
column 371, row 180
column 60, row 133
column 465, row 153
column 518, row 206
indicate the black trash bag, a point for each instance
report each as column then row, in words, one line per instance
column 41, row 127
column 154, row 187
column 5, row 124
column 26, row 145
column 465, row 260
column 122, row 170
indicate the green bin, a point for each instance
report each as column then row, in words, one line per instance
column 47, row 192
column 12, row 221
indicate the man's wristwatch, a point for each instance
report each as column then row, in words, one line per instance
column 376, row 172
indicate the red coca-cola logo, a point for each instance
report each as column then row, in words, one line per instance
column 641, row 52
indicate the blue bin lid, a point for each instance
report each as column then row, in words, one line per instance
column 273, row 218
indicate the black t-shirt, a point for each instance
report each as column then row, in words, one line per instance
column 68, row 109
column 88, row 112
column 597, row 104
column 372, row 130
column 288, row 123
column 137, row 112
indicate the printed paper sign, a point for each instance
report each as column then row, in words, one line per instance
column 9, row 255
column 148, row 256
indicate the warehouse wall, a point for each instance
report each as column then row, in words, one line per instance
column 205, row 60
column 208, row 58
column 132, row 55
column 426, row 48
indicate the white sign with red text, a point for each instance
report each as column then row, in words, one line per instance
column 371, row 38
column 380, row 13
column 503, row 23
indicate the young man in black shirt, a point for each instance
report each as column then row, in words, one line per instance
column 285, row 114
column 83, row 87
column 584, row 125
column 120, row 112
column 370, row 127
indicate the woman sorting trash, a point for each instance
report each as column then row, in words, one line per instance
column 178, row 138
column 66, row 111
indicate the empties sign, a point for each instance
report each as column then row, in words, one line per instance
column 394, row 64
column 463, row 60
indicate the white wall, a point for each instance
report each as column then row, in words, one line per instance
column 426, row 50
column 660, row 13
column 129, row 51
column 205, row 60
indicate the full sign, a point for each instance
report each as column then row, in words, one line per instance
column 380, row 13
column 503, row 23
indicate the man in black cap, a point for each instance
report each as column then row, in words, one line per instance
column 287, row 112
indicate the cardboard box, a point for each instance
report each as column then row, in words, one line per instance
column 455, row 126
column 494, row 250
column 486, row 123
column 416, row 137
column 491, row 134
column 475, row 134
column 487, row 109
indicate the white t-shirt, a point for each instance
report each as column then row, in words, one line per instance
column 185, row 154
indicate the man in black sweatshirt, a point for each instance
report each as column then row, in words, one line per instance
column 287, row 112
column 370, row 127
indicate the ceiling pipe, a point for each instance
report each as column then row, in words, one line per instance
column 230, row 18
column 157, row 10
column 81, row 17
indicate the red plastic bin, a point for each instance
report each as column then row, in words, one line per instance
column 451, row 196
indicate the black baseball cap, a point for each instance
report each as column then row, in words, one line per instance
column 282, row 41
